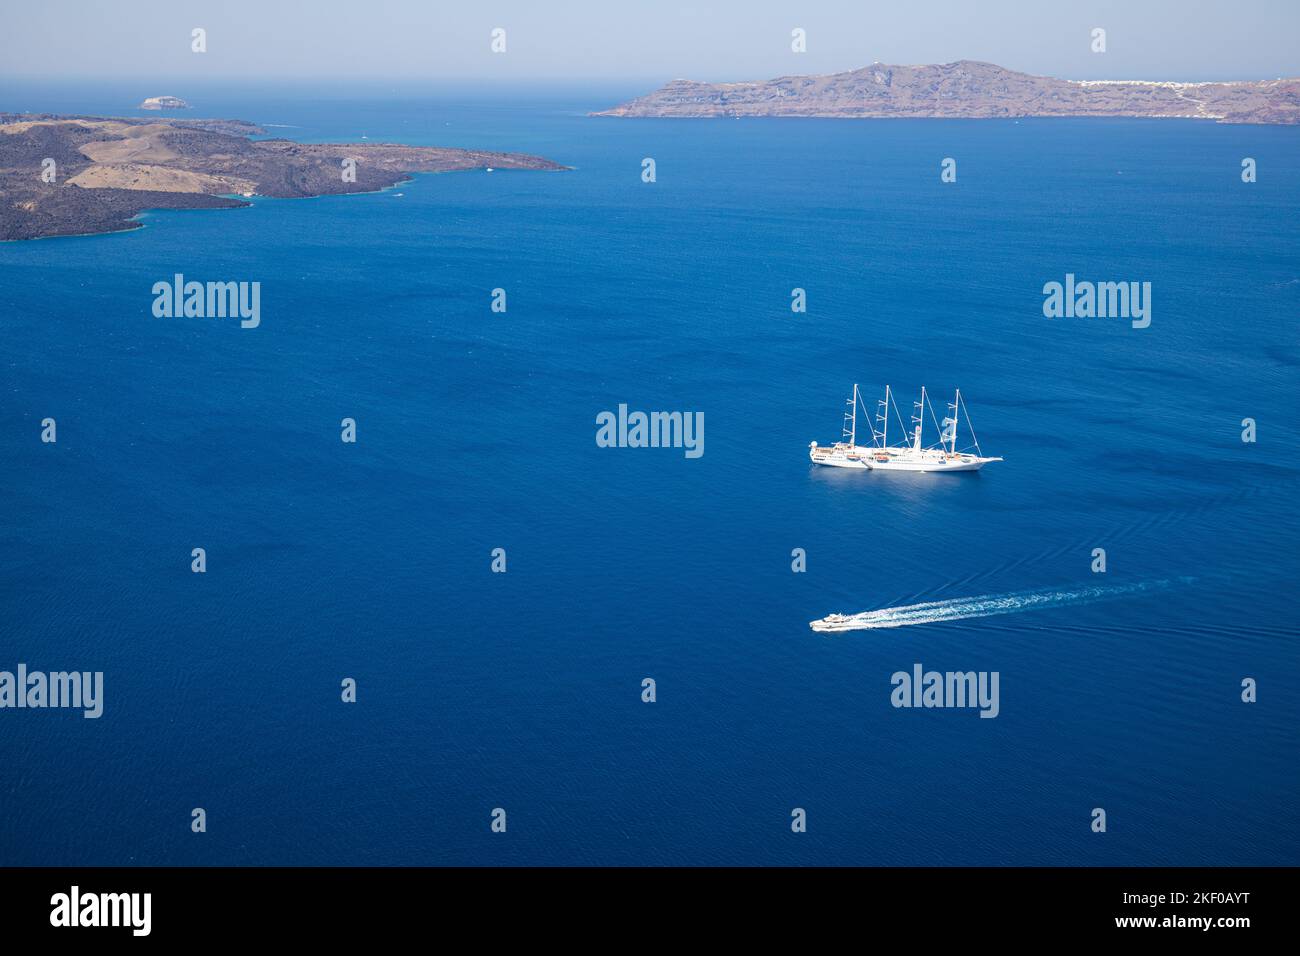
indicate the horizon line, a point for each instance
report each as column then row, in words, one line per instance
column 1216, row 76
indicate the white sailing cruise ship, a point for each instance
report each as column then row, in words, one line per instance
column 915, row 455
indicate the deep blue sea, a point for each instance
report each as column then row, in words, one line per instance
column 476, row 431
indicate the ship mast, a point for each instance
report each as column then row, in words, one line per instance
column 884, row 435
column 853, row 431
column 919, row 418
column 851, row 418
column 956, row 403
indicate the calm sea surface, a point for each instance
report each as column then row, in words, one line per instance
column 476, row 431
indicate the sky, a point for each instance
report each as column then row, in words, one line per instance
column 655, row 40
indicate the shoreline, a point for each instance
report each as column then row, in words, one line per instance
column 135, row 225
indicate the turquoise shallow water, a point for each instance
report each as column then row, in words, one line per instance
column 476, row 431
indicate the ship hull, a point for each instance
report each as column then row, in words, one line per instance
column 876, row 462
column 840, row 456
column 842, row 463
column 974, row 464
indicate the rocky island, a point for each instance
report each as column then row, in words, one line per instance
column 971, row 89
column 72, row 175
column 164, row 103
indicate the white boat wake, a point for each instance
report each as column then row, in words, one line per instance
column 984, row 605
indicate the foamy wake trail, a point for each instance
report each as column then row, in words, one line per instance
column 987, row 605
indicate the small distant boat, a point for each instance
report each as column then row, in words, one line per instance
column 881, row 456
column 489, row 169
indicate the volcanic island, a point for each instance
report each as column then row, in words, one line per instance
column 79, row 175
column 970, row 89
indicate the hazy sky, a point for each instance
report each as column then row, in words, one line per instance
column 656, row 39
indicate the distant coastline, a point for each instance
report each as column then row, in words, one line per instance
column 968, row 89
